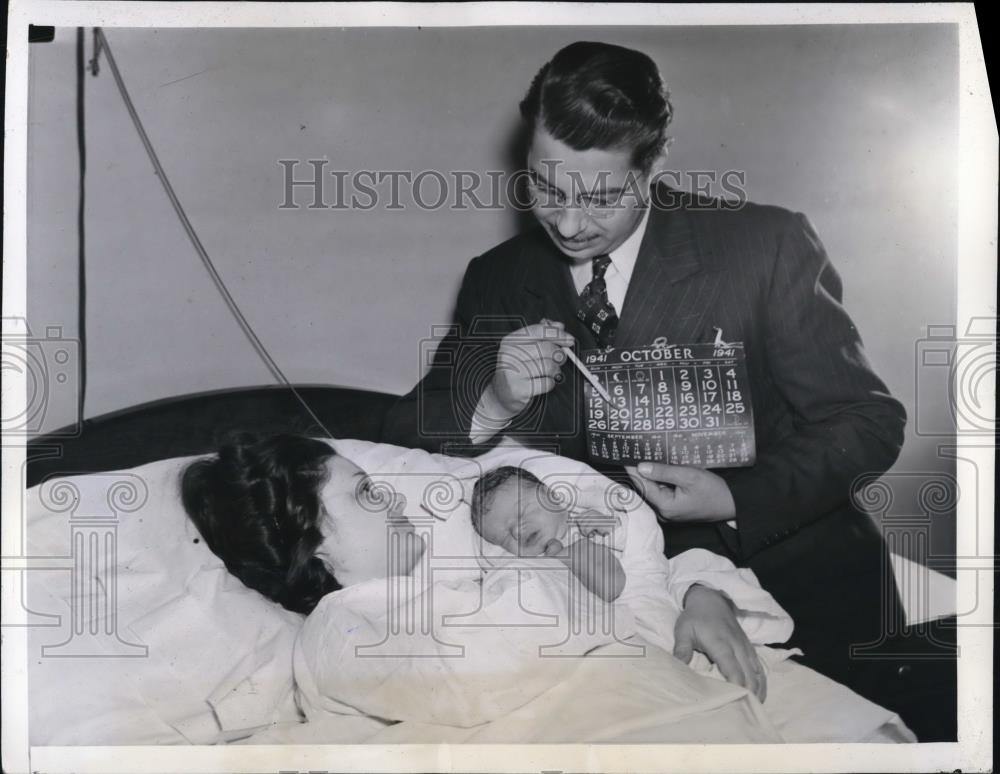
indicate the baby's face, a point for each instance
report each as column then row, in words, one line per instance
column 521, row 521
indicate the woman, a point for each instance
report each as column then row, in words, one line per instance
column 291, row 518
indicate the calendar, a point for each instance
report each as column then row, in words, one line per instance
column 683, row 405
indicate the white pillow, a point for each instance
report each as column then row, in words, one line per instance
column 167, row 646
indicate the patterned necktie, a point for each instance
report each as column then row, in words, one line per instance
column 595, row 310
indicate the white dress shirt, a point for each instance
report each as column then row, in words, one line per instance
column 619, row 272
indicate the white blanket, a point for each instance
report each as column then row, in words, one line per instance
column 612, row 700
column 455, row 648
column 349, row 658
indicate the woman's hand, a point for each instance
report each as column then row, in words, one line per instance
column 708, row 624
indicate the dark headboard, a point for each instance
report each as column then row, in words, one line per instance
column 197, row 423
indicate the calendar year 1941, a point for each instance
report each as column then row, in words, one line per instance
column 686, row 405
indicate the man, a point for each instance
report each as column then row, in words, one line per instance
column 622, row 260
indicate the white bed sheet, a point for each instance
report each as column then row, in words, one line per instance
column 245, row 643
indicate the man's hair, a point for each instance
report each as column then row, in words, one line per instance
column 486, row 487
column 596, row 95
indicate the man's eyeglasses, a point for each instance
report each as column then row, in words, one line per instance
column 549, row 201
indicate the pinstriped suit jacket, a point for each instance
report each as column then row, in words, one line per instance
column 822, row 417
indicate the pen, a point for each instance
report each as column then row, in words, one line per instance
column 589, row 376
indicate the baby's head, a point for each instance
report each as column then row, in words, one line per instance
column 511, row 509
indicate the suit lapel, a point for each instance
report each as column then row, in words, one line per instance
column 658, row 299
column 548, row 285
column 547, row 291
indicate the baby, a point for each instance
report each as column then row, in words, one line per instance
column 621, row 560
column 512, row 509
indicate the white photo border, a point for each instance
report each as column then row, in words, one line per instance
column 976, row 298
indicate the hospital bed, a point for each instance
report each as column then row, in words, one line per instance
column 149, row 711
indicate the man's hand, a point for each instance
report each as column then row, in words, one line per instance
column 683, row 493
column 708, row 624
column 527, row 365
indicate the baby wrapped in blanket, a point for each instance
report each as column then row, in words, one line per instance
column 477, row 633
column 615, row 558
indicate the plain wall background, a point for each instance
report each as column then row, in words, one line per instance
column 857, row 126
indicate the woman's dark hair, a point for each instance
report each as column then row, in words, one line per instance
column 596, row 95
column 256, row 503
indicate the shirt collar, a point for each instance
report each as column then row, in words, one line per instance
column 624, row 258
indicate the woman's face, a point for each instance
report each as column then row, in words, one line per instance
column 360, row 525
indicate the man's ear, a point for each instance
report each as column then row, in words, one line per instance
column 659, row 172
column 659, row 166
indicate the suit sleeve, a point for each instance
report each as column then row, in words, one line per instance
column 846, row 423
column 440, row 408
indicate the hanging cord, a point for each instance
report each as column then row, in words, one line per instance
column 81, row 147
column 101, row 44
